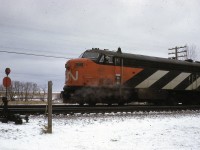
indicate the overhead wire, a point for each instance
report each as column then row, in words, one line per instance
column 37, row 55
column 34, row 50
column 25, row 74
column 32, row 54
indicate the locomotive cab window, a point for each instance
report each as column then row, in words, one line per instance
column 81, row 56
column 91, row 55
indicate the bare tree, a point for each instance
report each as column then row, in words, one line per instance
column 43, row 92
column 17, row 88
column 35, row 90
column 1, row 90
column 24, row 91
column 192, row 52
column 12, row 92
column 30, row 90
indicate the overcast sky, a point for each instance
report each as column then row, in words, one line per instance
column 66, row 28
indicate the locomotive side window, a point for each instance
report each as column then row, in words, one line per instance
column 117, row 61
column 111, row 59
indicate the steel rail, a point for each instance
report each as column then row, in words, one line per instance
column 71, row 109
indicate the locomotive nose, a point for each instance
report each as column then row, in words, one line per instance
column 74, row 72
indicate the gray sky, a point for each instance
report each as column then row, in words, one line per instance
column 68, row 27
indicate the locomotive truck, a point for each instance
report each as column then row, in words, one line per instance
column 103, row 76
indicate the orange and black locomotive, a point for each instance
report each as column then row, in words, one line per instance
column 103, row 76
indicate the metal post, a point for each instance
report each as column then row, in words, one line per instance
column 7, row 91
column 122, row 75
column 49, row 107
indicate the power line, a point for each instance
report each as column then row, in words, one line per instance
column 33, row 74
column 31, row 54
column 31, row 50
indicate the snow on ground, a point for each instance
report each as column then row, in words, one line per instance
column 121, row 131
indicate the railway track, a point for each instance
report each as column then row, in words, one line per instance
column 71, row 109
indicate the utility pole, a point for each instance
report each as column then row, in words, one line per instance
column 177, row 52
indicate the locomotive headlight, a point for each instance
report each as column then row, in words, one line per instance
column 79, row 64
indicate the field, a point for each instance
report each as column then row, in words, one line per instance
column 120, row 131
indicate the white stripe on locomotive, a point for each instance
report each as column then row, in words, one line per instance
column 152, row 79
column 176, row 81
column 194, row 85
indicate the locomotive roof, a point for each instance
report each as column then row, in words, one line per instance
column 191, row 66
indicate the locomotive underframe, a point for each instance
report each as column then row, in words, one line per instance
column 122, row 95
column 93, row 95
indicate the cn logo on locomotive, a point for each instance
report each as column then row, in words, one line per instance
column 70, row 75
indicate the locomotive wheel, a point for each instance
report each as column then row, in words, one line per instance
column 109, row 104
column 121, row 104
column 18, row 121
column 92, row 104
column 80, row 104
column 172, row 101
column 160, row 103
column 4, row 120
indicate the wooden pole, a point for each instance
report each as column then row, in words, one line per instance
column 49, row 107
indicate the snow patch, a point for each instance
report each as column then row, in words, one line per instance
column 120, row 131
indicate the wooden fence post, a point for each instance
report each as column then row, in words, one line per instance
column 49, row 107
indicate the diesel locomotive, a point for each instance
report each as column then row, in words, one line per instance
column 103, row 76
